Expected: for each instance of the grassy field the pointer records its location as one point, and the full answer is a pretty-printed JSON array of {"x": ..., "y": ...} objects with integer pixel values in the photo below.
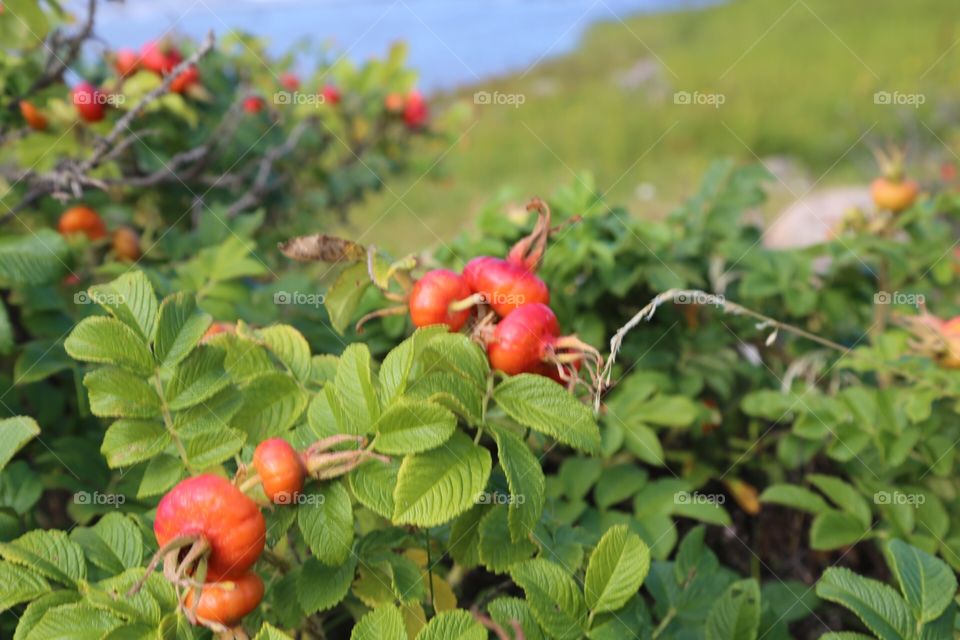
[{"x": 796, "y": 78}]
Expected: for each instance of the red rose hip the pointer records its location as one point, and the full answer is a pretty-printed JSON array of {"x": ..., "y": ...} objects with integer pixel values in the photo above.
[
  {"x": 432, "y": 296},
  {"x": 505, "y": 285},
  {"x": 280, "y": 469},
  {"x": 227, "y": 602}
]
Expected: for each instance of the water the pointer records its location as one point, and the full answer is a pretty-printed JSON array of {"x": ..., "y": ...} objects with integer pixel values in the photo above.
[{"x": 452, "y": 42}]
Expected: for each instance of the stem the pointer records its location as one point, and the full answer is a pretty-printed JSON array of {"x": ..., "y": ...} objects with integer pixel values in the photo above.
[
  {"x": 168, "y": 422},
  {"x": 466, "y": 303},
  {"x": 249, "y": 483},
  {"x": 433, "y": 600},
  {"x": 667, "y": 619}
]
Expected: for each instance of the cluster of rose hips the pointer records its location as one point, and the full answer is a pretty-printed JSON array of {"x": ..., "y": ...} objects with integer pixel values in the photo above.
[
  {"x": 505, "y": 305},
  {"x": 210, "y": 532},
  {"x": 83, "y": 220}
]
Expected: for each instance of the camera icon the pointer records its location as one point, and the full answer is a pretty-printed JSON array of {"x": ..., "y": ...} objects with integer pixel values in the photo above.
[
  {"x": 881, "y": 497},
  {"x": 281, "y": 297},
  {"x": 881, "y": 297},
  {"x": 683, "y": 298},
  {"x": 681, "y": 497},
  {"x": 283, "y": 497},
  {"x": 682, "y": 97},
  {"x": 282, "y": 97},
  {"x": 482, "y": 97},
  {"x": 81, "y": 297},
  {"x": 483, "y": 498},
  {"x": 882, "y": 97},
  {"x": 81, "y": 497}
]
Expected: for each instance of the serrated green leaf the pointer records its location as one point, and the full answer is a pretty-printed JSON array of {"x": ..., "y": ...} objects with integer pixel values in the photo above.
[
  {"x": 79, "y": 621},
  {"x": 115, "y": 393},
  {"x": 325, "y": 518},
  {"x": 398, "y": 365},
  {"x": 36, "y": 610},
  {"x": 20, "y": 487},
  {"x": 736, "y": 615},
  {"x": 553, "y": 596},
  {"x": 32, "y": 259},
  {"x": 616, "y": 570},
  {"x": 48, "y": 552},
  {"x": 131, "y": 300},
  {"x": 162, "y": 472},
  {"x": 541, "y": 404},
  {"x": 290, "y": 348},
  {"x": 180, "y": 327},
  {"x": 344, "y": 295},
  {"x": 272, "y": 404},
  {"x": 269, "y": 632},
  {"x": 410, "y": 426},
  {"x": 795, "y": 497},
  {"x": 38, "y": 360},
  {"x": 108, "y": 341},
  {"x": 19, "y": 585},
  {"x": 437, "y": 486},
  {"x": 668, "y": 411},
  {"x": 383, "y": 623},
  {"x": 452, "y": 391},
  {"x": 878, "y": 606},
  {"x": 14, "y": 434},
  {"x": 926, "y": 582},
  {"x": 197, "y": 378},
  {"x": 320, "y": 587},
  {"x": 373, "y": 483},
  {"x": 355, "y": 391},
  {"x": 452, "y": 625},
  {"x": 114, "y": 543},
  {"x": 618, "y": 484},
  {"x": 498, "y": 551},
  {"x": 457, "y": 353},
  {"x": 504, "y": 610},
  {"x": 526, "y": 481},
  {"x": 465, "y": 537},
  {"x": 212, "y": 446},
  {"x": 127, "y": 442}
]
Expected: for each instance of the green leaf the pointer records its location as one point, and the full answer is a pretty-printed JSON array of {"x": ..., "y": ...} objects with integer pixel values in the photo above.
[
  {"x": 541, "y": 404},
  {"x": 410, "y": 426},
  {"x": 36, "y": 610},
  {"x": 398, "y": 365},
  {"x": 38, "y": 360},
  {"x": 844, "y": 496},
  {"x": 131, "y": 300},
  {"x": 736, "y": 615},
  {"x": 197, "y": 378},
  {"x": 162, "y": 472},
  {"x": 795, "y": 497},
  {"x": 271, "y": 405},
  {"x": 14, "y": 434},
  {"x": 115, "y": 393},
  {"x": 926, "y": 581},
  {"x": 344, "y": 295},
  {"x": 669, "y": 411},
  {"x": 48, "y": 552},
  {"x": 878, "y": 606},
  {"x": 498, "y": 551},
  {"x": 437, "y": 486},
  {"x": 114, "y": 543},
  {"x": 618, "y": 484},
  {"x": 451, "y": 390},
  {"x": 457, "y": 353},
  {"x": 383, "y": 623},
  {"x": 373, "y": 483},
  {"x": 504, "y": 610},
  {"x": 79, "y": 621},
  {"x": 6, "y": 331},
  {"x": 354, "y": 389},
  {"x": 19, "y": 585},
  {"x": 179, "y": 329},
  {"x": 835, "y": 529},
  {"x": 20, "y": 487},
  {"x": 616, "y": 570},
  {"x": 326, "y": 521},
  {"x": 38, "y": 258},
  {"x": 290, "y": 348},
  {"x": 127, "y": 442},
  {"x": 208, "y": 447},
  {"x": 557, "y": 603},
  {"x": 643, "y": 442},
  {"x": 108, "y": 341},
  {"x": 453, "y": 625},
  {"x": 269, "y": 632},
  {"x": 526, "y": 482},
  {"x": 465, "y": 537},
  {"x": 320, "y": 587}
]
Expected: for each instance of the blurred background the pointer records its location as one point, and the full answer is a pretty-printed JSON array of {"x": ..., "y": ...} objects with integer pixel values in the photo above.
[{"x": 642, "y": 94}]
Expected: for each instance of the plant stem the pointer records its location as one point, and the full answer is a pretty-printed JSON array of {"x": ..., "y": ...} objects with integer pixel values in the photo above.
[
  {"x": 667, "y": 619},
  {"x": 168, "y": 422}
]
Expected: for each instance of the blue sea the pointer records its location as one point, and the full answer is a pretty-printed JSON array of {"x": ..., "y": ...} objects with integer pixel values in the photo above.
[{"x": 451, "y": 42}]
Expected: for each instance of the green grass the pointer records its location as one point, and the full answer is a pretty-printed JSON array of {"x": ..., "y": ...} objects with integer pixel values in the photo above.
[{"x": 798, "y": 80}]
